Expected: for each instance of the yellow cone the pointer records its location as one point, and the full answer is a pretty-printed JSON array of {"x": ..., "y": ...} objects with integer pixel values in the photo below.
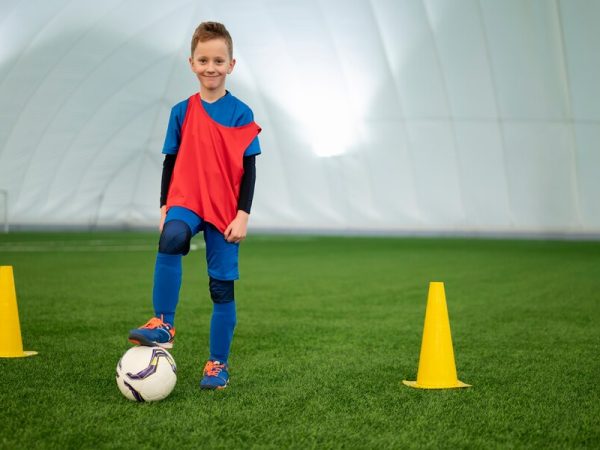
[
  {"x": 436, "y": 363},
  {"x": 11, "y": 345}
]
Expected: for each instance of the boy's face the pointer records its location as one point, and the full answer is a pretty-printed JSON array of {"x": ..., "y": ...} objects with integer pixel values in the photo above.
[{"x": 211, "y": 64}]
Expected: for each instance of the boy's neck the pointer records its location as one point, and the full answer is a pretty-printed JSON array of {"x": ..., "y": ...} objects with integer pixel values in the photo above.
[{"x": 212, "y": 96}]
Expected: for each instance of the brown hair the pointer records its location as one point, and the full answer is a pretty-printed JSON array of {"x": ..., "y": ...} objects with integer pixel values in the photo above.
[{"x": 207, "y": 31}]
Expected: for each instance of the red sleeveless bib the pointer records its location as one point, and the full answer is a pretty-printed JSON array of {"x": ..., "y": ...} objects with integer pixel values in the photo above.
[{"x": 209, "y": 166}]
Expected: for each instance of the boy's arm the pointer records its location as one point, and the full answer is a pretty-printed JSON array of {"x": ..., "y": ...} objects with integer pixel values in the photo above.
[
  {"x": 247, "y": 184},
  {"x": 170, "y": 149},
  {"x": 167, "y": 174},
  {"x": 236, "y": 231}
]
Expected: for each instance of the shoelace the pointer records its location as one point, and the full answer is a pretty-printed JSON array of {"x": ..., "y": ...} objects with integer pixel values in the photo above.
[
  {"x": 155, "y": 322},
  {"x": 213, "y": 369}
]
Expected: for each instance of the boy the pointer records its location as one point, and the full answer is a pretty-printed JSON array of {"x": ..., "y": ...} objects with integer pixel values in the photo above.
[{"x": 207, "y": 185}]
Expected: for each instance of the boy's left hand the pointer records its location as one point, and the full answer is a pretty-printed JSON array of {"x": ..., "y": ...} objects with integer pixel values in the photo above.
[{"x": 236, "y": 231}]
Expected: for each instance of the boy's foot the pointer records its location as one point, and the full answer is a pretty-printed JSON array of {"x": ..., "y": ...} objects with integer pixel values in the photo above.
[
  {"x": 154, "y": 332},
  {"x": 216, "y": 375}
]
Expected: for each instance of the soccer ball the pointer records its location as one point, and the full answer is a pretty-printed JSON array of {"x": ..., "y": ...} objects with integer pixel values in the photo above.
[{"x": 146, "y": 374}]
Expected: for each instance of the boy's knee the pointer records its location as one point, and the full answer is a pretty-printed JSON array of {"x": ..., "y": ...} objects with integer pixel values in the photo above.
[
  {"x": 175, "y": 238},
  {"x": 221, "y": 291}
]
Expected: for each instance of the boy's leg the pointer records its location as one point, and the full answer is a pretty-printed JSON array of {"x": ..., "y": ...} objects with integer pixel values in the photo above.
[
  {"x": 223, "y": 320},
  {"x": 174, "y": 243},
  {"x": 180, "y": 226},
  {"x": 222, "y": 261}
]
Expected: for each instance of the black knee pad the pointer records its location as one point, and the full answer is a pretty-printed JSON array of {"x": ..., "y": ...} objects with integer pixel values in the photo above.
[
  {"x": 175, "y": 238},
  {"x": 221, "y": 291}
]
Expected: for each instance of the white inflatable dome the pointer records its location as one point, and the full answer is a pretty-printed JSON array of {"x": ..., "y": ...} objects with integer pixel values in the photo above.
[{"x": 391, "y": 116}]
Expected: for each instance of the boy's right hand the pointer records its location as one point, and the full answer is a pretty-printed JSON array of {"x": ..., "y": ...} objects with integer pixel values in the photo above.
[{"x": 163, "y": 216}]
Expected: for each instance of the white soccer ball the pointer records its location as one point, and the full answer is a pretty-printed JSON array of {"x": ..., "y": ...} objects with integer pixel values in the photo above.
[{"x": 146, "y": 374}]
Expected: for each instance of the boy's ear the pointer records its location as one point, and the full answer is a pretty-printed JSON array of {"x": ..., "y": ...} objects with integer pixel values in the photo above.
[{"x": 231, "y": 66}]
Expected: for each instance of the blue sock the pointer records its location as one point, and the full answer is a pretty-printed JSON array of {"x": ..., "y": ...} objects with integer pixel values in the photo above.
[
  {"x": 167, "y": 281},
  {"x": 222, "y": 325}
]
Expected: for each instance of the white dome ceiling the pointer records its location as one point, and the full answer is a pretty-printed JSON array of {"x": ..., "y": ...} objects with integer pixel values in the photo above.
[{"x": 458, "y": 116}]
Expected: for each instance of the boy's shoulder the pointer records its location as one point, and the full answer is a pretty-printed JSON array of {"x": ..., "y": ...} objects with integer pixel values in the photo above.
[
  {"x": 238, "y": 103},
  {"x": 181, "y": 106},
  {"x": 242, "y": 114}
]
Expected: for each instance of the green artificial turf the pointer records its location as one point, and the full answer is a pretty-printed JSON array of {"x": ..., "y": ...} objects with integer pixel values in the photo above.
[{"x": 327, "y": 330}]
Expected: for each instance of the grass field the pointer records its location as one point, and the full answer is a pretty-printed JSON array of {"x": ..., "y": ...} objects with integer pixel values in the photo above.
[{"x": 327, "y": 329}]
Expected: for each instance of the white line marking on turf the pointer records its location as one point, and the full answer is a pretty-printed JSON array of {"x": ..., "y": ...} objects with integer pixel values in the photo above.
[{"x": 82, "y": 246}]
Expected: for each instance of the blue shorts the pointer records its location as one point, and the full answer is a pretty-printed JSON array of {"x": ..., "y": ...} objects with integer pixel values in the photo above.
[{"x": 221, "y": 256}]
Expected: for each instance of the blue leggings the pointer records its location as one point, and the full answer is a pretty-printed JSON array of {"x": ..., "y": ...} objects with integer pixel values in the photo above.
[{"x": 180, "y": 226}]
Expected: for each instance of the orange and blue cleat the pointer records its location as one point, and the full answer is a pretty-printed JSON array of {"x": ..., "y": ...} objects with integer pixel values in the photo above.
[
  {"x": 216, "y": 375},
  {"x": 152, "y": 333}
]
